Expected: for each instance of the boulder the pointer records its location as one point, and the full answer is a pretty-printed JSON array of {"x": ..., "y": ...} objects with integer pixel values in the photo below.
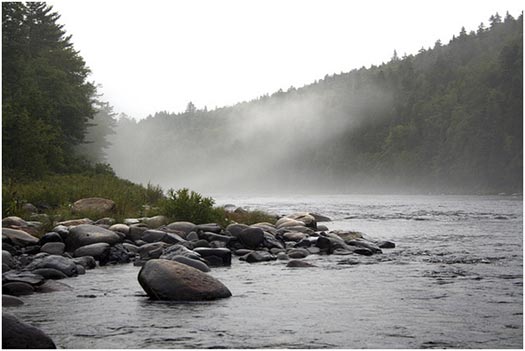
[
  {"x": 11, "y": 301},
  {"x": 95, "y": 205},
  {"x": 282, "y": 256},
  {"x": 117, "y": 254},
  {"x": 251, "y": 238},
  {"x": 8, "y": 259},
  {"x": 131, "y": 248},
  {"x": 88, "y": 262},
  {"x": 366, "y": 244},
  {"x": 171, "y": 280},
  {"x": 30, "y": 278},
  {"x": 209, "y": 227},
  {"x": 179, "y": 250},
  {"x": 51, "y": 237},
  {"x": 192, "y": 236},
  {"x": 201, "y": 266},
  {"x": 135, "y": 232},
  {"x": 17, "y": 289},
  {"x": 294, "y": 236},
  {"x": 99, "y": 251},
  {"x": 272, "y": 242},
  {"x": 258, "y": 256},
  {"x": 201, "y": 243},
  {"x": 184, "y": 227},
  {"x": 131, "y": 221},
  {"x": 121, "y": 228},
  {"x": 73, "y": 222},
  {"x": 216, "y": 237},
  {"x": 285, "y": 222},
  {"x": 236, "y": 228},
  {"x": 19, "y": 237},
  {"x": 19, "y": 335},
  {"x": 299, "y": 264},
  {"x": 14, "y": 221},
  {"x": 86, "y": 234},
  {"x": 152, "y": 235},
  {"x": 155, "y": 222},
  {"x": 386, "y": 245},
  {"x": 63, "y": 264},
  {"x": 305, "y": 217},
  {"x": 298, "y": 253},
  {"x": 152, "y": 250},
  {"x": 319, "y": 218},
  {"x": 215, "y": 256},
  {"x": 50, "y": 273},
  {"x": 53, "y": 248}
]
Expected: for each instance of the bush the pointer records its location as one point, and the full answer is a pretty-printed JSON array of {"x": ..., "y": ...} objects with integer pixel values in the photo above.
[{"x": 186, "y": 205}]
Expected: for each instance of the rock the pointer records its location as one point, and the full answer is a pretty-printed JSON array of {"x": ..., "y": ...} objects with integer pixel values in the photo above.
[
  {"x": 170, "y": 280},
  {"x": 99, "y": 251},
  {"x": 22, "y": 277},
  {"x": 321, "y": 228},
  {"x": 366, "y": 244},
  {"x": 305, "y": 217},
  {"x": 272, "y": 242},
  {"x": 53, "y": 286},
  {"x": 63, "y": 264},
  {"x": 209, "y": 227},
  {"x": 294, "y": 236},
  {"x": 51, "y": 237},
  {"x": 152, "y": 250},
  {"x": 19, "y": 335},
  {"x": 282, "y": 256},
  {"x": 11, "y": 301},
  {"x": 31, "y": 249},
  {"x": 86, "y": 234},
  {"x": 343, "y": 252},
  {"x": 216, "y": 237},
  {"x": 121, "y": 228},
  {"x": 88, "y": 262},
  {"x": 117, "y": 255},
  {"x": 185, "y": 227},
  {"x": 131, "y": 248},
  {"x": 17, "y": 289},
  {"x": 347, "y": 235},
  {"x": 217, "y": 244},
  {"x": 61, "y": 230},
  {"x": 54, "y": 248},
  {"x": 9, "y": 248},
  {"x": 319, "y": 218},
  {"x": 251, "y": 238},
  {"x": 330, "y": 242},
  {"x": 14, "y": 221},
  {"x": 136, "y": 232},
  {"x": 235, "y": 229},
  {"x": 299, "y": 264},
  {"x": 131, "y": 221},
  {"x": 386, "y": 245},
  {"x": 313, "y": 250},
  {"x": 19, "y": 237},
  {"x": 298, "y": 253},
  {"x": 171, "y": 239},
  {"x": 215, "y": 256},
  {"x": 288, "y": 222},
  {"x": 363, "y": 251},
  {"x": 201, "y": 243},
  {"x": 201, "y": 266},
  {"x": 50, "y": 273},
  {"x": 8, "y": 259},
  {"x": 80, "y": 269},
  {"x": 179, "y": 250},
  {"x": 300, "y": 229},
  {"x": 258, "y": 256},
  {"x": 153, "y": 235},
  {"x": 29, "y": 208},
  {"x": 155, "y": 222},
  {"x": 95, "y": 205},
  {"x": 242, "y": 252},
  {"x": 305, "y": 243},
  {"x": 106, "y": 221},
  {"x": 192, "y": 236},
  {"x": 73, "y": 222}
]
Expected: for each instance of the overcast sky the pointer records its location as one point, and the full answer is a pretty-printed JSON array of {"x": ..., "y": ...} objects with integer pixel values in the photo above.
[{"x": 159, "y": 55}]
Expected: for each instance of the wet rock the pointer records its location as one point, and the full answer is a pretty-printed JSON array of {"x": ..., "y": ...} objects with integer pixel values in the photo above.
[
  {"x": 152, "y": 235},
  {"x": 236, "y": 228},
  {"x": 51, "y": 237},
  {"x": 50, "y": 273},
  {"x": 117, "y": 255},
  {"x": 282, "y": 256},
  {"x": 95, "y": 205},
  {"x": 320, "y": 218},
  {"x": 63, "y": 264},
  {"x": 19, "y": 237},
  {"x": 87, "y": 234},
  {"x": 344, "y": 252},
  {"x": 9, "y": 248},
  {"x": 366, "y": 244},
  {"x": 170, "y": 280},
  {"x": 80, "y": 269},
  {"x": 304, "y": 243},
  {"x": 275, "y": 250},
  {"x": 242, "y": 252},
  {"x": 251, "y": 238},
  {"x": 321, "y": 228},
  {"x": 99, "y": 251},
  {"x": 201, "y": 266},
  {"x": 363, "y": 251},
  {"x": 23, "y": 277},
  {"x": 348, "y": 235},
  {"x": 53, "y": 248},
  {"x": 184, "y": 227},
  {"x": 305, "y": 217},
  {"x": 179, "y": 250},
  {"x": 386, "y": 245},
  {"x": 171, "y": 239},
  {"x": 314, "y": 250},
  {"x": 258, "y": 256},
  {"x": 155, "y": 222},
  {"x": 294, "y": 236},
  {"x": 285, "y": 222},
  {"x": 298, "y": 253},
  {"x": 61, "y": 230},
  {"x": 17, "y": 289},
  {"x": 152, "y": 250},
  {"x": 88, "y": 262},
  {"x": 19, "y": 335},
  {"x": 14, "y": 221},
  {"x": 131, "y": 248},
  {"x": 8, "y": 259},
  {"x": 30, "y": 250},
  {"x": 192, "y": 236},
  {"x": 271, "y": 242},
  {"x": 121, "y": 228},
  {"x": 299, "y": 264},
  {"x": 11, "y": 301},
  {"x": 201, "y": 243},
  {"x": 136, "y": 232},
  {"x": 215, "y": 256}
]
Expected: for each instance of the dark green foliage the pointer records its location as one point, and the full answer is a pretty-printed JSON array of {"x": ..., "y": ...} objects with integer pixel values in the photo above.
[
  {"x": 47, "y": 100},
  {"x": 449, "y": 119},
  {"x": 186, "y": 205}
]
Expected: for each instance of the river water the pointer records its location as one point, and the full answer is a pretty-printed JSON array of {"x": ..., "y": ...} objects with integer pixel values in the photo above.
[{"x": 455, "y": 280}]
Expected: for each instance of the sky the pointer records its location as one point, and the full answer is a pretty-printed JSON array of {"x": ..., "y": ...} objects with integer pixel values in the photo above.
[{"x": 157, "y": 55}]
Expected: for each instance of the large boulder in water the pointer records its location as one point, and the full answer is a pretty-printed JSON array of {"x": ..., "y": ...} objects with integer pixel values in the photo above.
[
  {"x": 19, "y": 335},
  {"x": 19, "y": 237},
  {"x": 170, "y": 280},
  {"x": 86, "y": 234},
  {"x": 95, "y": 205}
]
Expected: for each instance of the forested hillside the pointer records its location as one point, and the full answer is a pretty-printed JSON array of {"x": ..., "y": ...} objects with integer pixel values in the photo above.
[{"x": 448, "y": 119}]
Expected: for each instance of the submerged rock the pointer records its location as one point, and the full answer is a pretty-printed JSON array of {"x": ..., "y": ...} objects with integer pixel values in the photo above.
[
  {"x": 170, "y": 280},
  {"x": 19, "y": 335}
]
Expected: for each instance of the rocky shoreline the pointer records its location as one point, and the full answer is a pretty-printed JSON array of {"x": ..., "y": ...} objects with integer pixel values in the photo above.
[{"x": 174, "y": 257}]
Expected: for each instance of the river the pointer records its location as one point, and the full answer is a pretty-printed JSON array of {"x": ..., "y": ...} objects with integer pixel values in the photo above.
[{"x": 454, "y": 280}]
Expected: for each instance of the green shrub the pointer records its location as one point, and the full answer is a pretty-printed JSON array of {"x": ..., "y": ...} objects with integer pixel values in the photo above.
[{"x": 186, "y": 205}]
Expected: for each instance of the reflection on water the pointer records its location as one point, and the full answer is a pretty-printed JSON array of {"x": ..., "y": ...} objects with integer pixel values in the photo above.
[{"x": 453, "y": 281}]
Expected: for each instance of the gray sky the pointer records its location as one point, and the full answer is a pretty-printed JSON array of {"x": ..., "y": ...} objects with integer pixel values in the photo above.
[{"x": 158, "y": 55}]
